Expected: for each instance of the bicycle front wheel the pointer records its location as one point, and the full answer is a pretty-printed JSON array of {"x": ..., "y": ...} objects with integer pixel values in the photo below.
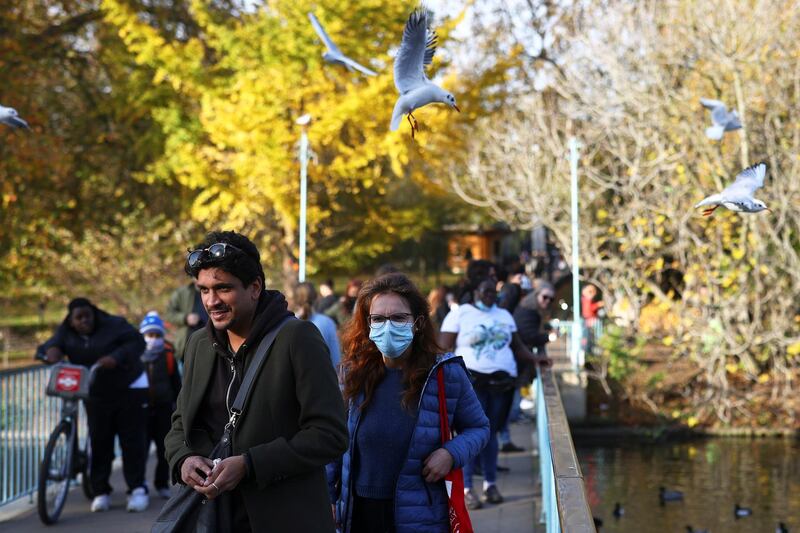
[{"x": 55, "y": 473}]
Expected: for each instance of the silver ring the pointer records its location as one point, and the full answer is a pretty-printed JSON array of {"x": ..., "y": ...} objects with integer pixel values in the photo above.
[{"x": 215, "y": 486}]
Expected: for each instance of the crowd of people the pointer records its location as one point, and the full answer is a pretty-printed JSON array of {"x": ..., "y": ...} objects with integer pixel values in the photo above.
[{"x": 343, "y": 413}]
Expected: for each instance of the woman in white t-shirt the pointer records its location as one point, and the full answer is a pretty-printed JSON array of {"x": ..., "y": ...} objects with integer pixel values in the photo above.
[{"x": 485, "y": 336}]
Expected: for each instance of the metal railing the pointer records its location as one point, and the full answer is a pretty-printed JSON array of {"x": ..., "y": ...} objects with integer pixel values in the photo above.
[
  {"x": 565, "y": 506},
  {"x": 588, "y": 334},
  {"x": 27, "y": 416}
]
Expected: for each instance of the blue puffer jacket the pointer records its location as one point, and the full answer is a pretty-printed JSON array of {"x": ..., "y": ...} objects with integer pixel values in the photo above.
[{"x": 420, "y": 506}]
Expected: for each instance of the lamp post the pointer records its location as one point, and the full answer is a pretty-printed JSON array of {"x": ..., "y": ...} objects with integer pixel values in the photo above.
[
  {"x": 303, "y": 123},
  {"x": 577, "y": 327}
]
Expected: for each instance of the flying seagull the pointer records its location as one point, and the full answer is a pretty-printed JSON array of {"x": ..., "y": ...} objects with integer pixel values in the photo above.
[
  {"x": 416, "y": 52},
  {"x": 334, "y": 55},
  {"x": 9, "y": 116},
  {"x": 722, "y": 119},
  {"x": 739, "y": 195}
]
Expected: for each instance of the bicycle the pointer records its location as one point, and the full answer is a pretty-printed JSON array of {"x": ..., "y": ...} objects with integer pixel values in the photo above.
[{"x": 63, "y": 459}]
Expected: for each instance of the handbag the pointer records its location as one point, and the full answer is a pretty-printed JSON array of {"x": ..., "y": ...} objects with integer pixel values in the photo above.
[
  {"x": 454, "y": 480},
  {"x": 189, "y": 511}
]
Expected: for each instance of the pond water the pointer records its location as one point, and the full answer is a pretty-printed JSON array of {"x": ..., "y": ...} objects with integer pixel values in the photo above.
[{"x": 713, "y": 474}]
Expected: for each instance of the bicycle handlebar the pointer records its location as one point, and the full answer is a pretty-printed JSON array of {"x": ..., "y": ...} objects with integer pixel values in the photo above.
[{"x": 41, "y": 356}]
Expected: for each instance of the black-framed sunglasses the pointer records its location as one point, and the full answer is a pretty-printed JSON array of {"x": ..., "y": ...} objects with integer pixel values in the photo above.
[
  {"x": 547, "y": 297},
  {"x": 398, "y": 320},
  {"x": 216, "y": 251}
]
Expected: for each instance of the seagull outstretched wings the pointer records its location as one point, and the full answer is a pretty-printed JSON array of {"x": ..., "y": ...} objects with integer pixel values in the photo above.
[
  {"x": 738, "y": 196},
  {"x": 722, "y": 119},
  {"x": 334, "y": 54},
  {"x": 416, "y": 52}
]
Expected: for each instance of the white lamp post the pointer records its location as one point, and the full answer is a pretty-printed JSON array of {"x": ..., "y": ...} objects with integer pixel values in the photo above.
[
  {"x": 577, "y": 327},
  {"x": 303, "y": 123}
]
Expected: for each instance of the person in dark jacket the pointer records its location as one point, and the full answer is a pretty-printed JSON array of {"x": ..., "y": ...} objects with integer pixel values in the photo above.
[
  {"x": 186, "y": 312},
  {"x": 530, "y": 317},
  {"x": 293, "y": 423},
  {"x": 391, "y": 477},
  {"x": 164, "y": 385},
  {"x": 118, "y": 396}
]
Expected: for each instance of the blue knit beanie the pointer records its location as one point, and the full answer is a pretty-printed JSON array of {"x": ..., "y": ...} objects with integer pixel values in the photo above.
[{"x": 152, "y": 322}]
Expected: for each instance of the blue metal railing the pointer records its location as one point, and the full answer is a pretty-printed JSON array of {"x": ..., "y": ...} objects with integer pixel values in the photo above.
[
  {"x": 27, "y": 416},
  {"x": 565, "y": 506}
]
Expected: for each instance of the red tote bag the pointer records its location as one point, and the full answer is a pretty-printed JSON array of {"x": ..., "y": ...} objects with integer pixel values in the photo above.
[{"x": 454, "y": 481}]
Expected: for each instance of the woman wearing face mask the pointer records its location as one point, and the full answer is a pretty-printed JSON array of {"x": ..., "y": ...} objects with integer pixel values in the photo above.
[
  {"x": 485, "y": 336},
  {"x": 391, "y": 477}
]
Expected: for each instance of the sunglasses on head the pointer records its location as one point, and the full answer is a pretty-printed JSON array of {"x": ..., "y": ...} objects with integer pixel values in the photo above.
[{"x": 214, "y": 252}]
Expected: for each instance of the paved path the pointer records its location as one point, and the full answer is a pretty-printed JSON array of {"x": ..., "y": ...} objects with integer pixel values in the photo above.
[
  {"x": 518, "y": 486},
  {"x": 515, "y": 515}
]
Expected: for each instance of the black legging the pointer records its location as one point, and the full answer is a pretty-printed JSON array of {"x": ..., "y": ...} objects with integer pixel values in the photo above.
[
  {"x": 158, "y": 425},
  {"x": 126, "y": 416}
]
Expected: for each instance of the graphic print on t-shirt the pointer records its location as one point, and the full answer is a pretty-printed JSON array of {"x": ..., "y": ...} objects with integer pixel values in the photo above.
[{"x": 487, "y": 340}]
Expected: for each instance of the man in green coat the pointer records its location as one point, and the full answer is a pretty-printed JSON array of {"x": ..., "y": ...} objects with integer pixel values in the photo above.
[
  {"x": 294, "y": 421},
  {"x": 186, "y": 312}
]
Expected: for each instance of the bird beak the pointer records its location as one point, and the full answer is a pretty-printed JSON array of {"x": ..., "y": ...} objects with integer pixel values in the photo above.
[{"x": 456, "y": 108}]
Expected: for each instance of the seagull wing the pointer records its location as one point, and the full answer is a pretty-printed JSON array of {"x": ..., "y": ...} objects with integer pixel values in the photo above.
[
  {"x": 322, "y": 34},
  {"x": 358, "y": 66},
  {"x": 733, "y": 122},
  {"x": 416, "y": 51},
  {"x": 748, "y": 180},
  {"x": 711, "y": 104}
]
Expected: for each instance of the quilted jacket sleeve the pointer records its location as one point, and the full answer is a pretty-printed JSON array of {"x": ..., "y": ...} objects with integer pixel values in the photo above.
[{"x": 469, "y": 420}]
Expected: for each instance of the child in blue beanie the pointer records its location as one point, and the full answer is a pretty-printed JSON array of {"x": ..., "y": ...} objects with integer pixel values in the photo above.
[{"x": 165, "y": 383}]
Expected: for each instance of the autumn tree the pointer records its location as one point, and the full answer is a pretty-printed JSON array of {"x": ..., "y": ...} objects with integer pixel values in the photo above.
[
  {"x": 231, "y": 137},
  {"x": 628, "y": 86}
]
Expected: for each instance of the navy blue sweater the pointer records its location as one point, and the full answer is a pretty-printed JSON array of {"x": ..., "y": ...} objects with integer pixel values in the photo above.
[{"x": 382, "y": 440}]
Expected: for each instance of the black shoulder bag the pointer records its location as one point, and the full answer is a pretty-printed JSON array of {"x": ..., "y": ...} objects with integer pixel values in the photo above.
[{"x": 188, "y": 510}]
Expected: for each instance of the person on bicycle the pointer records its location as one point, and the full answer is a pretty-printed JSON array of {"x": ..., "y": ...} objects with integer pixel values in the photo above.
[
  {"x": 117, "y": 398},
  {"x": 165, "y": 384}
]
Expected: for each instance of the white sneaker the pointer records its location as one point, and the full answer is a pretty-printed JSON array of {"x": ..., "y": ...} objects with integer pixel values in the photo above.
[
  {"x": 138, "y": 500},
  {"x": 165, "y": 493},
  {"x": 101, "y": 503}
]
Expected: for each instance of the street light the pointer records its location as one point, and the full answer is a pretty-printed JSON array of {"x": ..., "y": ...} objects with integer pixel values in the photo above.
[
  {"x": 576, "y": 302},
  {"x": 303, "y": 123}
]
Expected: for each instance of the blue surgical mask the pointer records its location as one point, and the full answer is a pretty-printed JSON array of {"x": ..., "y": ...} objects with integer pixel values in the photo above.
[
  {"x": 482, "y": 306},
  {"x": 392, "y": 340}
]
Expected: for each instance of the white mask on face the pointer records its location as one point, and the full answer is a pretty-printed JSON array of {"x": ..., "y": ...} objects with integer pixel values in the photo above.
[{"x": 154, "y": 343}]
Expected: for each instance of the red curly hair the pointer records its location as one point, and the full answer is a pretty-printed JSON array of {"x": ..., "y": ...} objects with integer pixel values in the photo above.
[{"x": 363, "y": 363}]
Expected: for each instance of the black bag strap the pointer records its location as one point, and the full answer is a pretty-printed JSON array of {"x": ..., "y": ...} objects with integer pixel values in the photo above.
[{"x": 252, "y": 370}]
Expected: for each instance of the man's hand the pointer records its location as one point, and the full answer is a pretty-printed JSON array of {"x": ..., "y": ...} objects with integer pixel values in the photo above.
[
  {"x": 544, "y": 361},
  {"x": 54, "y": 354},
  {"x": 107, "y": 362},
  {"x": 437, "y": 465},
  {"x": 189, "y": 469},
  {"x": 192, "y": 319},
  {"x": 225, "y": 476}
]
